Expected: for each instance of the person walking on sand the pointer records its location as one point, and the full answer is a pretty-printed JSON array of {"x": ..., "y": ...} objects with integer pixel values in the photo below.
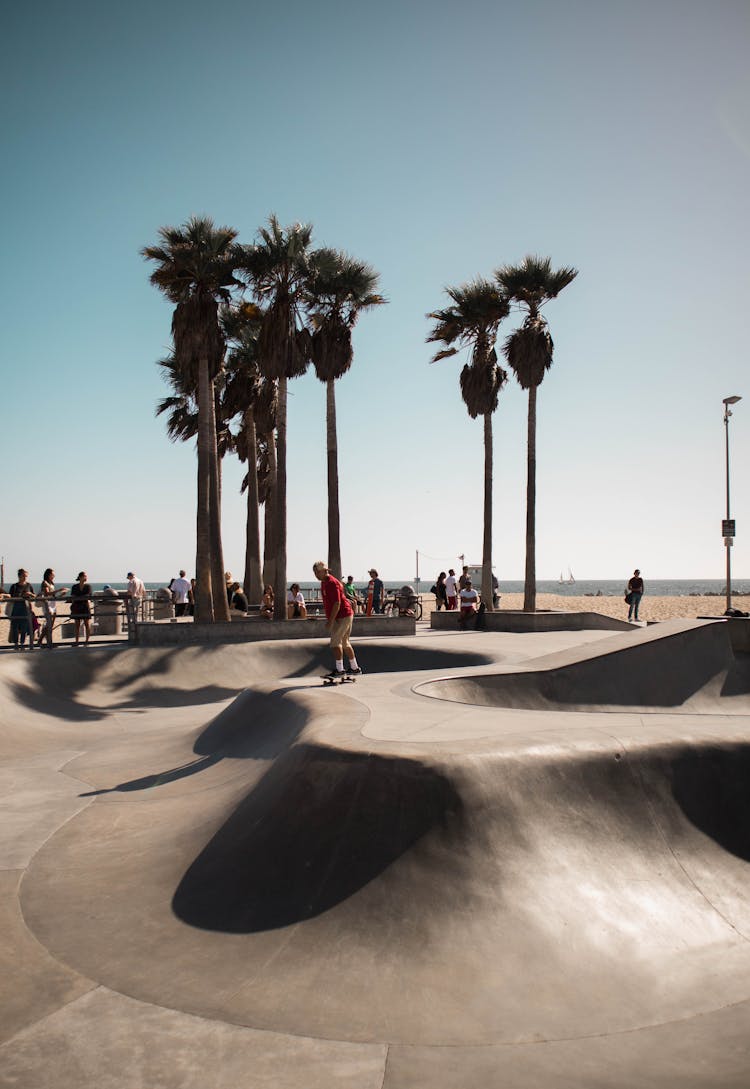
[
  {"x": 80, "y": 606},
  {"x": 339, "y": 620},
  {"x": 634, "y": 594}
]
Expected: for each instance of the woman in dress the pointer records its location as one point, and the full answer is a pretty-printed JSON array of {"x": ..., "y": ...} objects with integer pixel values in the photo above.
[
  {"x": 441, "y": 594},
  {"x": 49, "y": 594},
  {"x": 80, "y": 606}
]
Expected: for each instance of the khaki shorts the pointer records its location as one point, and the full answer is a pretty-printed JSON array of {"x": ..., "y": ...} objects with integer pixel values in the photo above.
[{"x": 341, "y": 629}]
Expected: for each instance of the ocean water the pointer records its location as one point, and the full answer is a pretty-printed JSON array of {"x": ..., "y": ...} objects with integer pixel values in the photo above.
[{"x": 582, "y": 587}]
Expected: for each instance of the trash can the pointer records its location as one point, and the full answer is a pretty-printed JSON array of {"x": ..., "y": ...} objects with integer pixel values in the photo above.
[
  {"x": 108, "y": 616},
  {"x": 163, "y": 609},
  {"x": 406, "y": 600}
]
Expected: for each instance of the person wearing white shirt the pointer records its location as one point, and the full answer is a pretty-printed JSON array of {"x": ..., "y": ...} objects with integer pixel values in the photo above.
[
  {"x": 295, "y": 603},
  {"x": 180, "y": 590},
  {"x": 469, "y": 601},
  {"x": 451, "y": 589}
]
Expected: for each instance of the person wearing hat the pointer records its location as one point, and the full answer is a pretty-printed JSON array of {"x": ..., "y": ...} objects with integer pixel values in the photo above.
[
  {"x": 375, "y": 593},
  {"x": 136, "y": 592}
]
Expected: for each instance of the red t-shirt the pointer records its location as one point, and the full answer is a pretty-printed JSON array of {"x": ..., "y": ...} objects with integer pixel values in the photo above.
[{"x": 332, "y": 591}]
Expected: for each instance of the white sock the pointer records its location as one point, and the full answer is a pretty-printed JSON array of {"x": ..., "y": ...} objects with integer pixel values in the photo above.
[
  {"x": 339, "y": 665},
  {"x": 353, "y": 662}
]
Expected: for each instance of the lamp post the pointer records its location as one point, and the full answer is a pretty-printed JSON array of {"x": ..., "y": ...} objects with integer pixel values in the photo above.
[{"x": 728, "y": 526}]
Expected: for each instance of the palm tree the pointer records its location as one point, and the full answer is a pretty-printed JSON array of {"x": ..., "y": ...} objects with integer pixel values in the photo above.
[
  {"x": 276, "y": 268},
  {"x": 241, "y": 326},
  {"x": 182, "y": 424},
  {"x": 529, "y": 353},
  {"x": 472, "y": 322},
  {"x": 195, "y": 270},
  {"x": 338, "y": 290}
]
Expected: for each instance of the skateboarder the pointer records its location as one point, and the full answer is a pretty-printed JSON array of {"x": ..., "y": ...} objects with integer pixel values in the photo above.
[{"x": 339, "y": 619}]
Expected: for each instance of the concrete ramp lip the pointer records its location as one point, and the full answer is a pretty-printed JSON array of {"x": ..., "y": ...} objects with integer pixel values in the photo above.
[{"x": 687, "y": 666}]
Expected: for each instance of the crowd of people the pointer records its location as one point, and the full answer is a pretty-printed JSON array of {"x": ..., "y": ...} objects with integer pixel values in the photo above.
[{"x": 26, "y": 625}]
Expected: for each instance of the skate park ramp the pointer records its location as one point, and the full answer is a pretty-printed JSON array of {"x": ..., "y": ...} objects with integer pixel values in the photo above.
[
  {"x": 670, "y": 667},
  {"x": 255, "y": 890}
]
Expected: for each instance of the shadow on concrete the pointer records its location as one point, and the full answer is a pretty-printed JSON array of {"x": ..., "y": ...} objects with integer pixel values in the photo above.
[
  {"x": 147, "y": 782},
  {"x": 256, "y": 726},
  {"x": 712, "y": 788},
  {"x": 319, "y": 826}
]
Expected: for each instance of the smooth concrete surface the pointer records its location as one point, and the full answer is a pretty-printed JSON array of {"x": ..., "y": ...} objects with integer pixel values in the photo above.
[
  {"x": 516, "y": 620},
  {"x": 216, "y": 872},
  {"x": 249, "y": 629}
]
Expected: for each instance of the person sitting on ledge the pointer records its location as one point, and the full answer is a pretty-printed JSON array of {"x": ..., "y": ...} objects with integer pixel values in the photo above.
[
  {"x": 266, "y": 606},
  {"x": 238, "y": 600},
  {"x": 295, "y": 603},
  {"x": 469, "y": 602}
]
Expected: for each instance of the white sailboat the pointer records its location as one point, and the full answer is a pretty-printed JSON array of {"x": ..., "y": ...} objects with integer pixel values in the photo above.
[{"x": 567, "y": 581}]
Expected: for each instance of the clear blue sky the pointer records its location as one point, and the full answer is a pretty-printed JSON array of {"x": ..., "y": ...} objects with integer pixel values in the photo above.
[{"x": 437, "y": 142}]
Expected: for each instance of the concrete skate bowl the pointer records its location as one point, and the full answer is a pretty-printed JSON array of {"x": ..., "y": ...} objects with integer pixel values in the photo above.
[
  {"x": 682, "y": 667},
  {"x": 471, "y": 899},
  {"x": 89, "y": 685}
]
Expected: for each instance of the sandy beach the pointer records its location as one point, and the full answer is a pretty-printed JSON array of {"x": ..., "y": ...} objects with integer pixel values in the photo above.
[{"x": 652, "y": 608}]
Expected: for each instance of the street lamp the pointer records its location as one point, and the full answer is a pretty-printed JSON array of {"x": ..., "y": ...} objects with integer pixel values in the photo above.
[{"x": 728, "y": 527}]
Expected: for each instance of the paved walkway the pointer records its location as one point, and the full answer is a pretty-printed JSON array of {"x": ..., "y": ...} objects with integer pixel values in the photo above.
[{"x": 467, "y": 870}]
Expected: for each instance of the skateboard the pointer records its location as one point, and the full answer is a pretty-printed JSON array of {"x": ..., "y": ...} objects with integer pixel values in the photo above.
[{"x": 343, "y": 678}]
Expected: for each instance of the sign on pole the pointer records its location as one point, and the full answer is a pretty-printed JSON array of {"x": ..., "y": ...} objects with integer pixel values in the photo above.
[{"x": 728, "y": 527}]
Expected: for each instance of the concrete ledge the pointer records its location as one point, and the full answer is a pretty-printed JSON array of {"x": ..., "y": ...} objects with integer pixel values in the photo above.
[
  {"x": 252, "y": 629},
  {"x": 515, "y": 620}
]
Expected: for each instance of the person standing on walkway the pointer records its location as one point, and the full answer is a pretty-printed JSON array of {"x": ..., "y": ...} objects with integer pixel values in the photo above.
[
  {"x": 375, "y": 593},
  {"x": 136, "y": 593},
  {"x": 80, "y": 606},
  {"x": 21, "y": 591},
  {"x": 441, "y": 597},
  {"x": 635, "y": 592},
  {"x": 451, "y": 589},
  {"x": 180, "y": 588},
  {"x": 49, "y": 594},
  {"x": 339, "y": 619}
]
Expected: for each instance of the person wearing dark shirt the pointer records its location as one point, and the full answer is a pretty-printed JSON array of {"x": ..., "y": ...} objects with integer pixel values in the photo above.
[
  {"x": 19, "y": 615},
  {"x": 375, "y": 593},
  {"x": 80, "y": 606},
  {"x": 634, "y": 594},
  {"x": 339, "y": 619}
]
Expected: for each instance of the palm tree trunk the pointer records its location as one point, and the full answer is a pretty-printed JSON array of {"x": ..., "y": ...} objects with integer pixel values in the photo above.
[
  {"x": 529, "y": 587},
  {"x": 251, "y": 582},
  {"x": 334, "y": 518},
  {"x": 487, "y": 538},
  {"x": 218, "y": 582},
  {"x": 269, "y": 529},
  {"x": 204, "y": 611},
  {"x": 279, "y": 584}
]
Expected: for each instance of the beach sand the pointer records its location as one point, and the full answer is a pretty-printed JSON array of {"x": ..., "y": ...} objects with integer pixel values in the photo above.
[{"x": 651, "y": 608}]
